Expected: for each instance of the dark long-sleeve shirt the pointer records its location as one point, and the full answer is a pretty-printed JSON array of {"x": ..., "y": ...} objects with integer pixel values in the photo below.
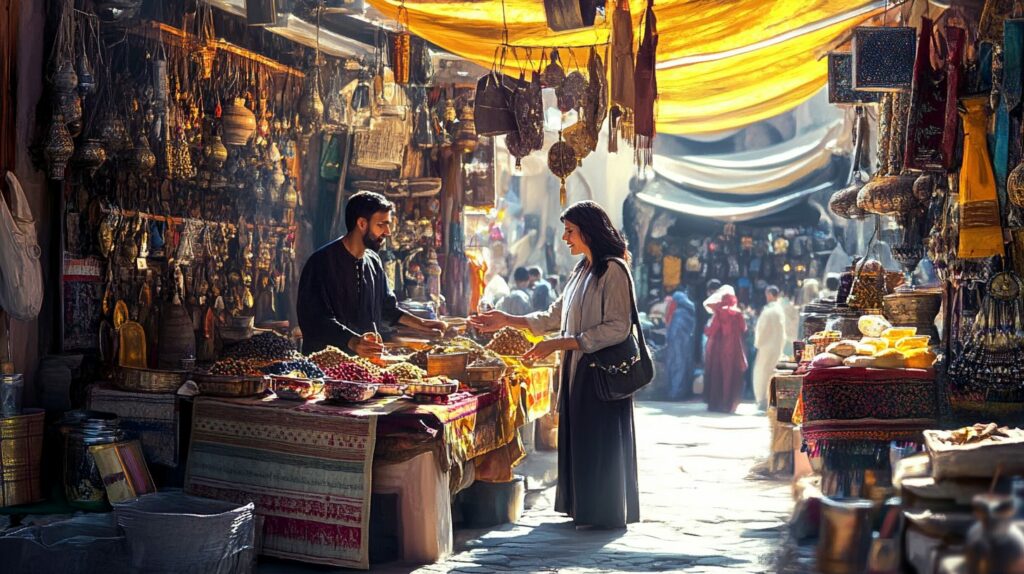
[{"x": 341, "y": 297}]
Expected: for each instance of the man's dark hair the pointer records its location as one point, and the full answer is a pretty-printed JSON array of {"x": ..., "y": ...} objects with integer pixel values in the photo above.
[
  {"x": 365, "y": 204},
  {"x": 713, "y": 286},
  {"x": 535, "y": 272},
  {"x": 832, "y": 283},
  {"x": 553, "y": 281},
  {"x": 520, "y": 275},
  {"x": 772, "y": 290}
]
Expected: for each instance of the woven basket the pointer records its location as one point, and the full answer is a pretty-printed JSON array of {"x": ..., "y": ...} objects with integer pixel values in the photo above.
[
  {"x": 219, "y": 386},
  {"x": 452, "y": 366},
  {"x": 150, "y": 380}
]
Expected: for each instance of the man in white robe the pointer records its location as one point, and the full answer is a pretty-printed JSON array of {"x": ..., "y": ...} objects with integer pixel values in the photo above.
[{"x": 769, "y": 340}]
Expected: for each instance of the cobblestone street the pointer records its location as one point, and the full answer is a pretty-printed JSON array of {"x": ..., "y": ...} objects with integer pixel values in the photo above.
[{"x": 700, "y": 511}]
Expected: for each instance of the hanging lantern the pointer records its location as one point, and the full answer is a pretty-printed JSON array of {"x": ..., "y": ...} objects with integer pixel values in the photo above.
[
  {"x": 216, "y": 154},
  {"x": 311, "y": 108},
  {"x": 291, "y": 195},
  {"x": 239, "y": 123},
  {"x": 142, "y": 160},
  {"x": 883, "y": 58},
  {"x": 86, "y": 78},
  {"x": 69, "y": 105},
  {"x": 361, "y": 94},
  {"x": 89, "y": 156},
  {"x": 59, "y": 147},
  {"x": 65, "y": 80},
  {"x": 466, "y": 138}
]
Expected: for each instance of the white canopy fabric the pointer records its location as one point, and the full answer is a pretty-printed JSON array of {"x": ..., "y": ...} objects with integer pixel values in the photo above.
[{"x": 754, "y": 172}]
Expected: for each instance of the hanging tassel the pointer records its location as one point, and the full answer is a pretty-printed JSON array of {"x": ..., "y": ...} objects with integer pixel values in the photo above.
[
  {"x": 613, "y": 129},
  {"x": 563, "y": 195}
]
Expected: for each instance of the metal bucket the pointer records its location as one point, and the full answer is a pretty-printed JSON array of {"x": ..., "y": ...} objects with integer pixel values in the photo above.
[
  {"x": 21, "y": 453},
  {"x": 11, "y": 389},
  {"x": 845, "y": 537}
]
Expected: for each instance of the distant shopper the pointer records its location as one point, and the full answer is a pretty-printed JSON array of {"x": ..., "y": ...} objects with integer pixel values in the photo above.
[
  {"x": 555, "y": 285},
  {"x": 769, "y": 339},
  {"x": 724, "y": 360},
  {"x": 679, "y": 353},
  {"x": 543, "y": 295},
  {"x": 831, "y": 289},
  {"x": 597, "y": 473},
  {"x": 517, "y": 302}
]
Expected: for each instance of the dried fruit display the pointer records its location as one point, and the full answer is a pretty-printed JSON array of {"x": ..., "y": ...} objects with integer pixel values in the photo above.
[{"x": 510, "y": 341}]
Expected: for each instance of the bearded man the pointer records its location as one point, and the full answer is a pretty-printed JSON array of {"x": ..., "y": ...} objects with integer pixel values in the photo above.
[{"x": 343, "y": 293}]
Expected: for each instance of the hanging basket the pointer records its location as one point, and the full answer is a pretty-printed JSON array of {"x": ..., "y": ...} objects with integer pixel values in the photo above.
[{"x": 382, "y": 146}]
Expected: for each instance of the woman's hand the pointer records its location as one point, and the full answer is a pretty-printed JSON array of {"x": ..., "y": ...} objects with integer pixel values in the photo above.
[
  {"x": 543, "y": 349},
  {"x": 490, "y": 321}
]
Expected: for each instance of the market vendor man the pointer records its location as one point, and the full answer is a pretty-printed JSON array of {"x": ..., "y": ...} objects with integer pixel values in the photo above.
[{"x": 343, "y": 294}]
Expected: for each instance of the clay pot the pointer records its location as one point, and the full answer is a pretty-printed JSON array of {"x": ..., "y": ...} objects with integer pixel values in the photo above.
[
  {"x": 238, "y": 122},
  {"x": 914, "y": 308}
]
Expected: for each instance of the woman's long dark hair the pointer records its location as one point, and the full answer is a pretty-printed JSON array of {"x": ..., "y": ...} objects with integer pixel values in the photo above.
[{"x": 598, "y": 233}]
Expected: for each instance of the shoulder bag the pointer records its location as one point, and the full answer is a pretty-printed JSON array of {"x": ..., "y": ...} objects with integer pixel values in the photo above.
[{"x": 626, "y": 367}]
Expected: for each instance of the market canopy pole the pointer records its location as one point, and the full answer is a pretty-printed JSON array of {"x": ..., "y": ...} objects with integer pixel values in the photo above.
[{"x": 722, "y": 65}]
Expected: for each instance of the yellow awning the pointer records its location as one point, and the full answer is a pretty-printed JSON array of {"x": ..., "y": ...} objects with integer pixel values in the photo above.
[{"x": 722, "y": 65}]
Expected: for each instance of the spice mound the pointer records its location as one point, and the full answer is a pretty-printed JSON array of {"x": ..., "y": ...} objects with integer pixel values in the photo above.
[{"x": 510, "y": 341}]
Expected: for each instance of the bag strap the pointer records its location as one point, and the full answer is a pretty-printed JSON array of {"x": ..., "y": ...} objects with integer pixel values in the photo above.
[{"x": 644, "y": 352}]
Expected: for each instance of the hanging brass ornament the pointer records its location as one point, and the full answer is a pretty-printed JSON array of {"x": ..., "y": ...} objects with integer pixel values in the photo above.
[
  {"x": 143, "y": 160},
  {"x": 561, "y": 161},
  {"x": 59, "y": 147},
  {"x": 517, "y": 148},
  {"x": 571, "y": 92},
  {"x": 65, "y": 80},
  {"x": 89, "y": 156},
  {"x": 216, "y": 153},
  {"x": 86, "y": 78},
  {"x": 581, "y": 139},
  {"x": 311, "y": 108},
  {"x": 401, "y": 56}
]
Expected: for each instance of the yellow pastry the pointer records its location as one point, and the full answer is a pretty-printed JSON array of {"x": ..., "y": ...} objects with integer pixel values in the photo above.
[
  {"x": 915, "y": 342},
  {"x": 842, "y": 348},
  {"x": 859, "y": 361},
  {"x": 878, "y": 343},
  {"x": 872, "y": 325},
  {"x": 866, "y": 349},
  {"x": 890, "y": 359},
  {"x": 920, "y": 359},
  {"x": 894, "y": 334}
]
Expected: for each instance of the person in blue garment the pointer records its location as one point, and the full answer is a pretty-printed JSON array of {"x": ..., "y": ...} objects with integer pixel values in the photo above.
[{"x": 679, "y": 354}]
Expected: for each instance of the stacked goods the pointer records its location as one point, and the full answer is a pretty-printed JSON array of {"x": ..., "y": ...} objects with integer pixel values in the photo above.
[
  {"x": 510, "y": 341},
  {"x": 406, "y": 372},
  {"x": 456, "y": 345},
  {"x": 882, "y": 347}
]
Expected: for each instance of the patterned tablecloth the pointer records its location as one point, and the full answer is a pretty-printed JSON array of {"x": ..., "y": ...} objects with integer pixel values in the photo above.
[
  {"x": 308, "y": 466},
  {"x": 150, "y": 417}
]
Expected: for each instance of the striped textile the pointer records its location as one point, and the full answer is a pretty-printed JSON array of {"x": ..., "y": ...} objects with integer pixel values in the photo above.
[
  {"x": 309, "y": 474},
  {"x": 150, "y": 417}
]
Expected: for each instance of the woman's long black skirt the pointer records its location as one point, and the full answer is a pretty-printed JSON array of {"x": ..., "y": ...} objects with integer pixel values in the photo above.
[{"x": 597, "y": 475}]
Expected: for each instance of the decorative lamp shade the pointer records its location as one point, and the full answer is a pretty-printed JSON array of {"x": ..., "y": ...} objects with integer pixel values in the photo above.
[
  {"x": 883, "y": 58},
  {"x": 840, "y": 82}
]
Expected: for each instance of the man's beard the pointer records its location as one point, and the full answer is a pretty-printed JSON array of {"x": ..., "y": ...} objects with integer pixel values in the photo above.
[{"x": 373, "y": 243}]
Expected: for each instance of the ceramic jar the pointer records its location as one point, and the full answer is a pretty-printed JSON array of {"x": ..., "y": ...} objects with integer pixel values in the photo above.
[
  {"x": 994, "y": 544},
  {"x": 239, "y": 123}
]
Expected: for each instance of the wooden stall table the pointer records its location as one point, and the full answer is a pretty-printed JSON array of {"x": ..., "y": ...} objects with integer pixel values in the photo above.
[
  {"x": 309, "y": 466},
  {"x": 849, "y": 417}
]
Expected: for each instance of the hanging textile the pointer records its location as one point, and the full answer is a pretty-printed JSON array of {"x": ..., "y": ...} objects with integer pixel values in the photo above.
[
  {"x": 726, "y": 64},
  {"x": 955, "y": 45},
  {"x": 981, "y": 234},
  {"x": 927, "y": 107},
  {"x": 646, "y": 89},
  {"x": 622, "y": 57}
]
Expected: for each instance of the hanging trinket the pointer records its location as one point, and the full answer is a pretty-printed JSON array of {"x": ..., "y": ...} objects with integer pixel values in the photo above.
[
  {"x": 59, "y": 147},
  {"x": 528, "y": 108},
  {"x": 423, "y": 133},
  {"x": 561, "y": 161},
  {"x": 517, "y": 148},
  {"x": 89, "y": 156},
  {"x": 86, "y": 78},
  {"x": 595, "y": 100},
  {"x": 361, "y": 93},
  {"x": 570, "y": 94},
  {"x": 65, "y": 80},
  {"x": 581, "y": 139},
  {"x": 142, "y": 159},
  {"x": 70, "y": 106},
  {"x": 238, "y": 123},
  {"x": 553, "y": 75},
  {"x": 401, "y": 56},
  {"x": 216, "y": 154},
  {"x": 466, "y": 138},
  {"x": 311, "y": 108}
]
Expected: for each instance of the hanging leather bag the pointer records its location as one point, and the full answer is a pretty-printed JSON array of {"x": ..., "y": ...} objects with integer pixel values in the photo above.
[
  {"x": 493, "y": 107},
  {"x": 21, "y": 274},
  {"x": 624, "y": 368}
]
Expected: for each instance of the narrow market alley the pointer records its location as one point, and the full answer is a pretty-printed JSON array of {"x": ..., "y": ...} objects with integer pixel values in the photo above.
[{"x": 702, "y": 510}]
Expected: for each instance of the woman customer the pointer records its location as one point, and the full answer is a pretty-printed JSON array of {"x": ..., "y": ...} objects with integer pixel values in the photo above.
[
  {"x": 724, "y": 360},
  {"x": 597, "y": 475}
]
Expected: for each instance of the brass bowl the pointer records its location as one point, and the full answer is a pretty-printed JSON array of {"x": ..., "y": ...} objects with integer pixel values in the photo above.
[{"x": 912, "y": 306}]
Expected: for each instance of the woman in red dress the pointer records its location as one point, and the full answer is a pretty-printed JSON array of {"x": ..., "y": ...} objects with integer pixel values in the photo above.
[{"x": 724, "y": 361}]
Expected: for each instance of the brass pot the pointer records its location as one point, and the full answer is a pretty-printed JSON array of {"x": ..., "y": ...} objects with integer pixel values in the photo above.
[
  {"x": 914, "y": 308},
  {"x": 844, "y": 202},
  {"x": 887, "y": 194}
]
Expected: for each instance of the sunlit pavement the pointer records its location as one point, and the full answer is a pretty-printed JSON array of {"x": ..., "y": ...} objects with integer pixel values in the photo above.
[{"x": 700, "y": 511}]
